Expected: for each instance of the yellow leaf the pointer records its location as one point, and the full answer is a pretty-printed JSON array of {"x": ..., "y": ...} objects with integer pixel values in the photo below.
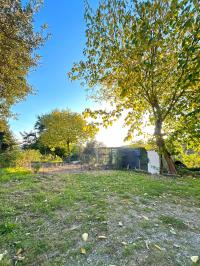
[
  {"x": 158, "y": 247},
  {"x": 102, "y": 237},
  {"x": 83, "y": 251},
  {"x": 19, "y": 251}
]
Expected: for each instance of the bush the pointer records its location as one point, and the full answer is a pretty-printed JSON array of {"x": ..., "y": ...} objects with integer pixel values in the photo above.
[
  {"x": 51, "y": 159},
  {"x": 26, "y": 157},
  {"x": 9, "y": 158},
  {"x": 36, "y": 167},
  {"x": 189, "y": 172},
  {"x": 19, "y": 158}
]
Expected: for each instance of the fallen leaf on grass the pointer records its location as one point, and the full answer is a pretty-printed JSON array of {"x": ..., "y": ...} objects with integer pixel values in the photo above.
[
  {"x": 102, "y": 237},
  {"x": 176, "y": 246},
  {"x": 19, "y": 251},
  {"x": 158, "y": 247},
  {"x": 19, "y": 258},
  {"x": 195, "y": 259},
  {"x": 146, "y": 218},
  {"x": 74, "y": 227},
  {"x": 83, "y": 251},
  {"x": 85, "y": 237},
  {"x": 172, "y": 231},
  {"x": 147, "y": 242}
]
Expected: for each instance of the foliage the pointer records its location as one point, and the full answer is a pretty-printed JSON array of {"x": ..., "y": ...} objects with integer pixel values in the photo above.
[
  {"x": 143, "y": 57},
  {"x": 51, "y": 158},
  {"x": 63, "y": 129},
  {"x": 29, "y": 140},
  {"x": 25, "y": 158},
  {"x": 191, "y": 160},
  {"x": 186, "y": 135},
  {"x": 36, "y": 167},
  {"x": 148, "y": 145},
  {"x": 186, "y": 149},
  {"x": 7, "y": 140},
  {"x": 90, "y": 150},
  {"x": 19, "y": 158},
  {"x": 8, "y": 158},
  {"x": 18, "y": 43},
  {"x": 189, "y": 172},
  {"x": 14, "y": 170}
]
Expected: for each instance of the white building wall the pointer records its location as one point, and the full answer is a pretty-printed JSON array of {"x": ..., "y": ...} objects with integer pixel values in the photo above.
[{"x": 153, "y": 162}]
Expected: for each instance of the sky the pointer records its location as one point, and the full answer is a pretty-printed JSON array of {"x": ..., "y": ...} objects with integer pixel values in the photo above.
[{"x": 52, "y": 87}]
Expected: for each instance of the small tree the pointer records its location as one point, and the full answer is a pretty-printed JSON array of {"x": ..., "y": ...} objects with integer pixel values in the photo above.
[
  {"x": 143, "y": 57},
  {"x": 63, "y": 129}
]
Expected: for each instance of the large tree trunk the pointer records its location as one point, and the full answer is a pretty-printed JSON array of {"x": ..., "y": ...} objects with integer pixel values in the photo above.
[{"x": 163, "y": 152}]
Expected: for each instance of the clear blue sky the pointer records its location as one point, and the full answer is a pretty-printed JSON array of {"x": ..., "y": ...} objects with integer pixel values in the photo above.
[{"x": 53, "y": 89}]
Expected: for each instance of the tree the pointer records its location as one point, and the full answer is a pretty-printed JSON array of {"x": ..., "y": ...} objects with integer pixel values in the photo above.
[
  {"x": 29, "y": 140},
  {"x": 18, "y": 43},
  {"x": 7, "y": 140},
  {"x": 143, "y": 57},
  {"x": 90, "y": 151},
  {"x": 63, "y": 129}
]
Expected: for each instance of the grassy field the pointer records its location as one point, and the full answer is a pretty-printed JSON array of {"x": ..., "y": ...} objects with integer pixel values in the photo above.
[{"x": 144, "y": 220}]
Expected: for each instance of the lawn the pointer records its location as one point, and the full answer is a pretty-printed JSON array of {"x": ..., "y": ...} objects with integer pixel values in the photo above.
[{"x": 131, "y": 219}]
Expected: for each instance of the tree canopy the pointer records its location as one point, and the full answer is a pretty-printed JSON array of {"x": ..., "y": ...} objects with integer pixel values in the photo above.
[
  {"x": 144, "y": 57},
  {"x": 18, "y": 44},
  {"x": 63, "y": 128}
]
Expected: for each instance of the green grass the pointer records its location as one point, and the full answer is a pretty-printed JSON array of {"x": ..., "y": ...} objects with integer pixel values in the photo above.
[
  {"x": 45, "y": 216},
  {"x": 170, "y": 220}
]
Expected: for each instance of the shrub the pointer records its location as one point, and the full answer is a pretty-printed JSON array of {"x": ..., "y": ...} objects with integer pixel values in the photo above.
[
  {"x": 51, "y": 158},
  {"x": 25, "y": 158},
  {"x": 19, "y": 158},
  {"x": 36, "y": 167},
  {"x": 189, "y": 172},
  {"x": 8, "y": 158}
]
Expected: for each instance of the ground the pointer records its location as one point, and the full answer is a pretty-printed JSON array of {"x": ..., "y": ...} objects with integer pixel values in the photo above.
[{"x": 145, "y": 220}]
